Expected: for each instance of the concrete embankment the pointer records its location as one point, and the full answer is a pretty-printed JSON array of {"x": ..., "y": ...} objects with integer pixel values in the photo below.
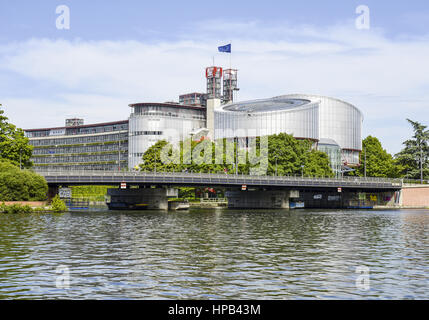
[
  {"x": 33, "y": 204},
  {"x": 414, "y": 197}
]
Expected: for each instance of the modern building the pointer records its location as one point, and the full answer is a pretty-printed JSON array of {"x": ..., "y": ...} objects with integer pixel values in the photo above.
[
  {"x": 330, "y": 123},
  {"x": 333, "y": 125},
  {"x": 100, "y": 146},
  {"x": 151, "y": 122},
  {"x": 193, "y": 99}
]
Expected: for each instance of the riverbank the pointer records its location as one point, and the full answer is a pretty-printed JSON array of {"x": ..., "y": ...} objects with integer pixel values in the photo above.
[
  {"x": 56, "y": 206},
  {"x": 33, "y": 204}
]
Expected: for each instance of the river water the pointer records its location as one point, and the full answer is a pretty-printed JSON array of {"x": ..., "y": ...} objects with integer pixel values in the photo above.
[{"x": 216, "y": 254}]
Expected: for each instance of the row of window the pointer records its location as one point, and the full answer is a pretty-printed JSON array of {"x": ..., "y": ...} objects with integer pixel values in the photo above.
[
  {"x": 81, "y": 149},
  {"x": 138, "y": 154},
  {"x": 80, "y": 158},
  {"x": 169, "y": 114},
  {"x": 76, "y": 131},
  {"x": 98, "y": 129},
  {"x": 80, "y": 140},
  {"x": 146, "y": 133},
  {"x": 104, "y": 166}
]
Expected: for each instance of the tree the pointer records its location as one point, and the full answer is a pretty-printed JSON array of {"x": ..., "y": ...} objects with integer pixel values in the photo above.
[
  {"x": 14, "y": 146},
  {"x": 152, "y": 158},
  {"x": 379, "y": 163},
  {"x": 58, "y": 205},
  {"x": 296, "y": 157},
  {"x": 317, "y": 164},
  {"x": 288, "y": 154},
  {"x": 415, "y": 156},
  {"x": 20, "y": 185}
]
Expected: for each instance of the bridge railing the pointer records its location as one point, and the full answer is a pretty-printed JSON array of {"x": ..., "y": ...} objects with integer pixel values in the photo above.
[{"x": 231, "y": 177}]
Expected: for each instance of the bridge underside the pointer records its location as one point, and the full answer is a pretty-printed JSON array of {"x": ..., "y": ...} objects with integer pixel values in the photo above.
[
  {"x": 260, "y": 191},
  {"x": 261, "y": 198},
  {"x": 311, "y": 198}
]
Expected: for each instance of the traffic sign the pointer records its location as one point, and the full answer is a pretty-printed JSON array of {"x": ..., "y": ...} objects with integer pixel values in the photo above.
[
  {"x": 123, "y": 185},
  {"x": 243, "y": 187},
  {"x": 340, "y": 189}
]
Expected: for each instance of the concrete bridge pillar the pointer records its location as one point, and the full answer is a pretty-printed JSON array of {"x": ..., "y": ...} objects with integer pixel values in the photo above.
[
  {"x": 138, "y": 199},
  {"x": 261, "y": 199}
]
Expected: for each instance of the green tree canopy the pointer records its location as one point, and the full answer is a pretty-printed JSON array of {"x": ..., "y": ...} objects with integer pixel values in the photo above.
[
  {"x": 416, "y": 150},
  {"x": 296, "y": 157},
  {"x": 289, "y": 153},
  {"x": 379, "y": 163},
  {"x": 13, "y": 144},
  {"x": 20, "y": 185}
]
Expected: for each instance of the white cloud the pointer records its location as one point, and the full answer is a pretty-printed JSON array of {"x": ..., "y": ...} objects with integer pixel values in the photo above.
[{"x": 386, "y": 78}]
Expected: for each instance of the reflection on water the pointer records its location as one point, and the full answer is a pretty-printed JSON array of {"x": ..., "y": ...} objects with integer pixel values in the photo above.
[{"x": 216, "y": 254}]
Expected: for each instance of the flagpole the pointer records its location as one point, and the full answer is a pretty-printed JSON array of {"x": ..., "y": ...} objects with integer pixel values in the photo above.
[
  {"x": 230, "y": 55},
  {"x": 230, "y": 70}
]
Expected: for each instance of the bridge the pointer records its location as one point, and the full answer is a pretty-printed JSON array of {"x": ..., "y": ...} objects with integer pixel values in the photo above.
[
  {"x": 243, "y": 191},
  {"x": 212, "y": 180}
]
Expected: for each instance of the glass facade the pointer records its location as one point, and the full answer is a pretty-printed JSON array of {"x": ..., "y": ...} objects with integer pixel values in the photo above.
[
  {"x": 91, "y": 147},
  {"x": 333, "y": 150}
]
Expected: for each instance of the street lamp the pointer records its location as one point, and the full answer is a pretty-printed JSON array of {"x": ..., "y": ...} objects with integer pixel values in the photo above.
[
  {"x": 276, "y": 163},
  {"x": 119, "y": 152},
  {"x": 421, "y": 164},
  {"x": 365, "y": 163},
  {"x": 236, "y": 156}
]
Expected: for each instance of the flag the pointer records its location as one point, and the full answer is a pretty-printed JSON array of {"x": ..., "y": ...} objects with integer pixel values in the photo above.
[{"x": 226, "y": 48}]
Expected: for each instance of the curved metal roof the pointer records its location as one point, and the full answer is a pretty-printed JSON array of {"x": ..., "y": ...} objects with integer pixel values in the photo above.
[
  {"x": 169, "y": 105},
  {"x": 266, "y": 105},
  {"x": 315, "y": 97},
  {"x": 279, "y": 103}
]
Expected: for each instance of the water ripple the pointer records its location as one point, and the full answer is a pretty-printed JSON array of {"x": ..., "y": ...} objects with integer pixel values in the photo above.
[{"x": 216, "y": 254}]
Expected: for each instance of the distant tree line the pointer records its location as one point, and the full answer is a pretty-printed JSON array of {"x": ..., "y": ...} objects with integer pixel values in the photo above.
[
  {"x": 289, "y": 156},
  {"x": 286, "y": 156},
  {"x": 410, "y": 163}
]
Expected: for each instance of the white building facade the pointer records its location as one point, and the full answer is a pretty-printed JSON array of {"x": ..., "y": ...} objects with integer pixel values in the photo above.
[
  {"x": 151, "y": 122},
  {"x": 304, "y": 116}
]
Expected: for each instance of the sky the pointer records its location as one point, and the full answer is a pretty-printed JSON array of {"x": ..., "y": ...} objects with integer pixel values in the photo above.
[{"x": 120, "y": 52}]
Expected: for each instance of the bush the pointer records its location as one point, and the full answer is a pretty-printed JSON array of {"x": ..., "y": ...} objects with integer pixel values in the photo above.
[
  {"x": 15, "y": 208},
  {"x": 21, "y": 185},
  {"x": 39, "y": 210},
  {"x": 58, "y": 205}
]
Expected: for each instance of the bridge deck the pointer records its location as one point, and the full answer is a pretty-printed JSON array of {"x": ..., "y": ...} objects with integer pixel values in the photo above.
[{"x": 202, "y": 179}]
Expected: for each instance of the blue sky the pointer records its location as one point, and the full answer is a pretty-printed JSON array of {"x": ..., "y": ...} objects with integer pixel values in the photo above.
[{"x": 120, "y": 52}]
